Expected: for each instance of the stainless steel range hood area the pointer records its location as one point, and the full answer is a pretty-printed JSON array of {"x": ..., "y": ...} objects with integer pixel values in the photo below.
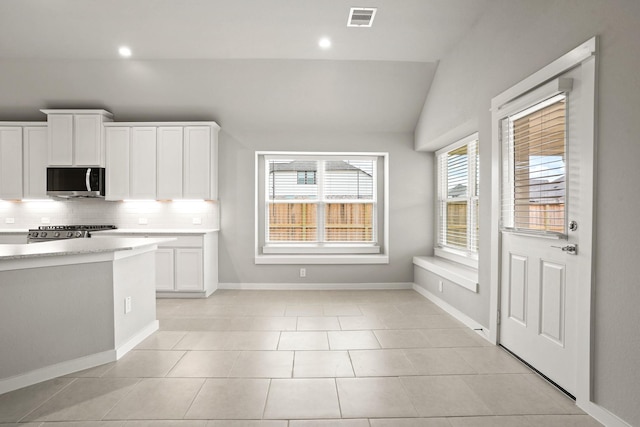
[{"x": 76, "y": 182}]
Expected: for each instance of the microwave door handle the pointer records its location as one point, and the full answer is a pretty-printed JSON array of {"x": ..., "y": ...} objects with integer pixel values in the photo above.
[{"x": 87, "y": 179}]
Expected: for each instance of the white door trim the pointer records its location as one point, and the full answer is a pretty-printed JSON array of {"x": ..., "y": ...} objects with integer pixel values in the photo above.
[{"x": 584, "y": 55}]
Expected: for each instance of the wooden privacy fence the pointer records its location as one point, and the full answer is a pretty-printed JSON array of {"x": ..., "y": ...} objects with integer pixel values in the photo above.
[
  {"x": 547, "y": 217},
  {"x": 344, "y": 222}
]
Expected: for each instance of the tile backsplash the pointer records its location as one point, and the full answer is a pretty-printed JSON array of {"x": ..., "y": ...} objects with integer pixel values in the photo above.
[{"x": 129, "y": 214}]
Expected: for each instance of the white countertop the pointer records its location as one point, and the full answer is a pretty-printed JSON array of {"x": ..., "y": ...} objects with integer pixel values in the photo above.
[
  {"x": 185, "y": 231},
  {"x": 13, "y": 230},
  {"x": 75, "y": 247}
]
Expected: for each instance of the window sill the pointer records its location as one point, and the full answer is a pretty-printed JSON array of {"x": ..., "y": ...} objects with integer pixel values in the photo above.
[
  {"x": 459, "y": 274},
  {"x": 325, "y": 249},
  {"x": 456, "y": 257},
  {"x": 322, "y": 259}
]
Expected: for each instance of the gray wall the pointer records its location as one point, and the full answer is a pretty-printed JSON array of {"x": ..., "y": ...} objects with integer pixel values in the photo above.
[
  {"x": 410, "y": 205},
  {"x": 511, "y": 41}
]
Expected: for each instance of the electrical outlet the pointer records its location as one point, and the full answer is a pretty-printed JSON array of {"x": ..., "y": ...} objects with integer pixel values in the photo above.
[
  {"x": 10, "y": 220},
  {"x": 143, "y": 221},
  {"x": 45, "y": 220},
  {"x": 196, "y": 220},
  {"x": 440, "y": 285},
  {"x": 127, "y": 305},
  {"x": 303, "y": 272}
]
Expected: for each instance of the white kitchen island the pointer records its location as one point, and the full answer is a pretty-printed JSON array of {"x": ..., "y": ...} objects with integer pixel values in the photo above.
[{"x": 74, "y": 304}]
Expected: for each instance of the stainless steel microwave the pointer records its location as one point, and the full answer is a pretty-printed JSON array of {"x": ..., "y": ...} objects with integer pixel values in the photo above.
[{"x": 75, "y": 182}]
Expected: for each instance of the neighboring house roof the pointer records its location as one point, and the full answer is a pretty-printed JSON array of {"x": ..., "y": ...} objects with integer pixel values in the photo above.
[
  {"x": 542, "y": 191},
  {"x": 458, "y": 191},
  {"x": 301, "y": 165}
]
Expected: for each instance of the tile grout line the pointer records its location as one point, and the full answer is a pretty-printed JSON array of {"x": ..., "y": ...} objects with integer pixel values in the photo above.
[
  {"x": 46, "y": 400},
  {"x": 204, "y": 381},
  {"x": 266, "y": 400}
]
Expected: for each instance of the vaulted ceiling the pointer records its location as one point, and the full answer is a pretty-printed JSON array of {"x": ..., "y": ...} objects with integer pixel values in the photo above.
[{"x": 252, "y": 64}]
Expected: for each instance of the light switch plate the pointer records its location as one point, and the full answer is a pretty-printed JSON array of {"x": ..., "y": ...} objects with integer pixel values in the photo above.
[
  {"x": 197, "y": 220},
  {"x": 10, "y": 220},
  {"x": 143, "y": 221}
]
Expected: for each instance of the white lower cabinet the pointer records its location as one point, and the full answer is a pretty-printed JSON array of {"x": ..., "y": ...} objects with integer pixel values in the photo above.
[
  {"x": 186, "y": 266},
  {"x": 189, "y": 272},
  {"x": 165, "y": 273}
]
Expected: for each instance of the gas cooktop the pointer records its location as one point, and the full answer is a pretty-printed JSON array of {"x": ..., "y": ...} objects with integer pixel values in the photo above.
[{"x": 46, "y": 233}]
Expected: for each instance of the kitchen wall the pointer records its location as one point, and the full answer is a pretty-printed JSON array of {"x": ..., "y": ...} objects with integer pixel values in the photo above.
[
  {"x": 177, "y": 214},
  {"x": 410, "y": 205},
  {"x": 512, "y": 40}
]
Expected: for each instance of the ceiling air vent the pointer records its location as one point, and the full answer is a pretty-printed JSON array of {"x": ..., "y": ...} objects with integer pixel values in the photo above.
[{"x": 361, "y": 16}]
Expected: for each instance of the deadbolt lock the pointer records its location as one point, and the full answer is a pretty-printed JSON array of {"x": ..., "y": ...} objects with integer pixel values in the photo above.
[{"x": 573, "y": 226}]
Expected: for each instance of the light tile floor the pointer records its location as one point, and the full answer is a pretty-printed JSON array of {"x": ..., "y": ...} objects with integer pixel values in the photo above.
[{"x": 301, "y": 359}]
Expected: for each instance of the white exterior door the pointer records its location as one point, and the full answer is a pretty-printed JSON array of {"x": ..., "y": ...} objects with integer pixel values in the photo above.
[{"x": 544, "y": 200}]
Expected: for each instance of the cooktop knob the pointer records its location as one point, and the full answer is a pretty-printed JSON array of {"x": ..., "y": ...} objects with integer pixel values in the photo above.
[
  {"x": 56, "y": 234},
  {"x": 78, "y": 233},
  {"x": 69, "y": 233},
  {"x": 43, "y": 234}
]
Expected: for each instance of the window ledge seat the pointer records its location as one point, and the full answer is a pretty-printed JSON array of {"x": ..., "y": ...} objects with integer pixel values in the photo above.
[{"x": 459, "y": 274}]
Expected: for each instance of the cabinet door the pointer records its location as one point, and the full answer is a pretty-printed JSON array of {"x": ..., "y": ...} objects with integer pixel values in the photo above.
[
  {"x": 165, "y": 278},
  {"x": 60, "y": 139},
  {"x": 143, "y": 163},
  {"x": 11, "y": 163},
  {"x": 88, "y": 140},
  {"x": 170, "y": 162},
  {"x": 197, "y": 162},
  {"x": 35, "y": 162},
  {"x": 117, "y": 153},
  {"x": 189, "y": 270}
]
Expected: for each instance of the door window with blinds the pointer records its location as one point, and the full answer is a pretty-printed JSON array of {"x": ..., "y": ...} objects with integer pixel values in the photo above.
[
  {"x": 323, "y": 201},
  {"x": 534, "y": 165},
  {"x": 457, "y": 189}
]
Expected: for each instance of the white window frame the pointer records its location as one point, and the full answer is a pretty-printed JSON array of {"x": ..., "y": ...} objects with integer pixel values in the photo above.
[
  {"x": 376, "y": 252},
  {"x": 467, "y": 257}
]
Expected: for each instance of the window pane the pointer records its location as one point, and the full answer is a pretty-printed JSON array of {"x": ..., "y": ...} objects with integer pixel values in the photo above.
[
  {"x": 457, "y": 173},
  {"x": 348, "y": 179},
  {"x": 456, "y": 233},
  {"x": 295, "y": 222},
  {"x": 539, "y": 176},
  {"x": 285, "y": 179},
  {"x": 349, "y": 222}
]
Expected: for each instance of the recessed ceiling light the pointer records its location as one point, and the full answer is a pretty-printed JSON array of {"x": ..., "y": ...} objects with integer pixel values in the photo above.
[
  {"x": 124, "y": 51},
  {"x": 324, "y": 43}
]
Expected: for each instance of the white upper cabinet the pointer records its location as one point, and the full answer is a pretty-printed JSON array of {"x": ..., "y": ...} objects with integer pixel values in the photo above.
[
  {"x": 75, "y": 137},
  {"x": 170, "y": 170},
  {"x": 143, "y": 163},
  {"x": 35, "y": 162},
  {"x": 10, "y": 162},
  {"x": 161, "y": 161},
  {"x": 199, "y": 163},
  {"x": 117, "y": 141}
]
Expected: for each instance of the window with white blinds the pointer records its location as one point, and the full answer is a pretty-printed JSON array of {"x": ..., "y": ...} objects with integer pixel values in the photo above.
[
  {"x": 320, "y": 200},
  {"x": 534, "y": 165},
  {"x": 458, "y": 186}
]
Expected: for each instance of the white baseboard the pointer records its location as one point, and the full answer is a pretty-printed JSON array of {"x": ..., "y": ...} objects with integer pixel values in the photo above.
[
  {"x": 57, "y": 370},
  {"x": 185, "y": 295},
  {"x": 137, "y": 339},
  {"x": 75, "y": 365},
  {"x": 602, "y": 415},
  {"x": 316, "y": 286},
  {"x": 472, "y": 324}
]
